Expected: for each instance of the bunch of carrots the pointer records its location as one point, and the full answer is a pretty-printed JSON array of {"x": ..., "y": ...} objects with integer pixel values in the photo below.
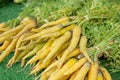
[{"x": 58, "y": 47}]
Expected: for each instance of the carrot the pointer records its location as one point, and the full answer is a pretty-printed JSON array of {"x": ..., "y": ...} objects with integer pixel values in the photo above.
[
  {"x": 8, "y": 49},
  {"x": 74, "y": 53},
  {"x": 74, "y": 75},
  {"x": 13, "y": 31},
  {"x": 23, "y": 53},
  {"x": 39, "y": 56},
  {"x": 41, "y": 66},
  {"x": 57, "y": 45},
  {"x": 52, "y": 65},
  {"x": 26, "y": 45},
  {"x": 82, "y": 46},
  {"x": 2, "y": 25},
  {"x": 56, "y": 34},
  {"x": 48, "y": 43},
  {"x": 38, "y": 63},
  {"x": 82, "y": 71},
  {"x": 66, "y": 77},
  {"x": 70, "y": 27},
  {"x": 17, "y": 46},
  {"x": 26, "y": 28},
  {"x": 45, "y": 31},
  {"x": 5, "y": 45},
  {"x": 61, "y": 72},
  {"x": 61, "y": 50},
  {"x": 92, "y": 75},
  {"x": 27, "y": 20},
  {"x": 105, "y": 73},
  {"x": 59, "y": 21},
  {"x": 3, "y": 29},
  {"x": 99, "y": 76},
  {"x": 7, "y": 34},
  {"x": 72, "y": 46},
  {"x": 46, "y": 75},
  {"x": 76, "y": 66},
  {"x": 36, "y": 49}
]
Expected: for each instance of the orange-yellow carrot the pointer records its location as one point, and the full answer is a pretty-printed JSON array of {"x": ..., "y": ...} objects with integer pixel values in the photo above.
[
  {"x": 105, "y": 73},
  {"x": 61, "y": 72},
  {"x": 82, "y": 71},
  {"x": 99, "y": 76},
  {"x": 5, "y": 45},
  {"x": 72, "y": 46},
  {"x": 59, "y": 21},
  {"x": 76, "y": 66},
  {"x": 83, "y": 49},
  {"x": 57, "y": 45},
  {"x": 8, "y": 49},
  {"x": 92, "y": 75}
]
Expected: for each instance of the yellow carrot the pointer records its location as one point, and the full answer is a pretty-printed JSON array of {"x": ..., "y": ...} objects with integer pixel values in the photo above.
[
  {"x": 23, "y": 53},
  {"x": 7, "y": 34},
  {"x": 76, "y": 66},
  {"x": 66, "y": 77},
  {"x": 17, "y": 46},
  {"x": 72, "y": 46},
  {"x": 61, "y": 72},
  {"x": 57, "y": 45},
  {"x": 52, "y": 65},
  {"x": 99, "y": 76},
  {"x": 82, "y": 46},
  {"x": 105, "y": 73},
  {"x": 92, "y": 75},
  {"x": 41, "y": 66},
  {"x": 5, "y": 45},
  {"x": 59, "y": 21},
  {"x": 39, "y": 56},
  {"x": 2, "y": 25},
  {"x": 26, "y": 28},
  {"x": 13, "y": 31},
  {"x": 70, "y": 27},
  {"x": 61, "y": 50},
  {"x": 8, "y": 49},
  {"x": 45, "y": 31},
  {"x": 3, "y": 29},
  {"x": 46, "y": 75},
  {"x": 48, "y": 43},
  {"x": 82, "y": 71},
  {"x": 74, "y": 75},
  {"x": 36, "y": 49},
  {"x": 74, "y": 53}
]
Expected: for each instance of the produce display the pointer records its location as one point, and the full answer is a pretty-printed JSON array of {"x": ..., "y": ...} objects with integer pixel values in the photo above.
[{"x": 67, "y": 45}]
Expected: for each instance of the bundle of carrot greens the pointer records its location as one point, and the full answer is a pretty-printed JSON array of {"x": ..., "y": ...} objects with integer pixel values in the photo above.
[{"x": 66, "y": 38}]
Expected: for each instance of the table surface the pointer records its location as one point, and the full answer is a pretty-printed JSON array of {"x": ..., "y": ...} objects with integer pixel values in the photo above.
[{"x": 15, "y": 72}]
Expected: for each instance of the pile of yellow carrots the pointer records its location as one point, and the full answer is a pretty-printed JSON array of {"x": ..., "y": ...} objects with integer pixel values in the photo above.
[{"x": 58, "y": 47}]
